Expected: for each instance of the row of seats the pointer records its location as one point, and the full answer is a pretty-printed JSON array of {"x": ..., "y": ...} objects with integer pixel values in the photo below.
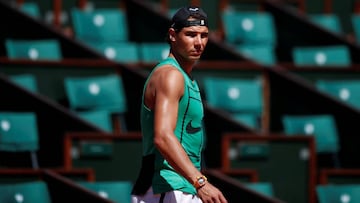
[
  {"x": 324, "y": 193},
  {"x": 254, "y": 35},
  {"x": 50, "y": 49},
  {"x": 38, "y": 191},
  {"x": 243, "y": 100},
  {"x": 99, "y": 99},
  {"x": 311, "y": 56}
]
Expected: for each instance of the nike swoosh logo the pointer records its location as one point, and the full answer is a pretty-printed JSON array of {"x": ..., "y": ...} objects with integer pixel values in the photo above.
[{"x": 192, "y": 130}]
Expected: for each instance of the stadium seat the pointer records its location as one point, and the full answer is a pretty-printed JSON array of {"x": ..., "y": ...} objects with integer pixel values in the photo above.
[
  {"x": 30, "y": 8},
  {"x": 27, "y": 81},
  {"x": 31, "y": 191},
  {"x": 153, "y": 52},
  {"x": 97, "y": 93},
  {"x": 340, "y": 193},
  {"x": 355, "y": 22},
  {"x": 242, "y": 98},
  {"x": 262, "y": 54},
  {"x": 100, "y": 25},
  {"x": 336, "y": 56},
  {"x": 265, "y": 188},
  {"x": 100, "y": 118},
  {"x": 125, "y": 52},
  {"x": 117, "y": 191},
  {"x": 19, "y": 133},
  {"x": 347, "y": 91},
  {"x": 331, "y": 22},
  {"x": 42, "y": 49},
  {"x": 323, "y": 127},
  {"x": 248, "y": 27}
]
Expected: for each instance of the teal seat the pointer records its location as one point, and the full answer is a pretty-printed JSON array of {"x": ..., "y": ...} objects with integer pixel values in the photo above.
[
  {"x": 100, "y": 118},
  {"x": 355, "y": 22},
  {"x": 97, "y": 93},
  {"x": 264, "y": 188},
  {"x": 100, "y": 25},
  {"x": 19, "y": 133},
  {"x": 44, "y": 49},
  {"x": 331, "y": 22},
  {"x": 30, "y": 8},
  {"x": 117, "y": 191},
  {"x": 261, "y": 54},
  {"x": 102, "y": 92},
  {"x": 249, "y": 119},
  {"x": 329, "y": 56},
  {"x": 338, "y": 193},
  {"x": 242, "y": 98},
  {"x": 27, "y": 81},
  {"x": 249, "y": 27},
  {"x": 152, "y": 52},
  {"x": 31, "y": 191},
  {"x": 323, "y": 127},
  {"x": 125, "y": 52},
  {"x": 347, "y": 91}
]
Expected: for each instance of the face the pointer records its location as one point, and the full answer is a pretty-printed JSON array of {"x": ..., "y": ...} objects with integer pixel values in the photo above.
[{"x": 190, "y": 42}]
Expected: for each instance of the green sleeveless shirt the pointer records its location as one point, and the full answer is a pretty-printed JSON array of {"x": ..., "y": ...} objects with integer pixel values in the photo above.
[{"x": 189, "y": 132}]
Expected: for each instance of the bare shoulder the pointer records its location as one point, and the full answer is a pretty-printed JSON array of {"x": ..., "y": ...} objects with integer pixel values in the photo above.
[{"x": 168, "y": 75}]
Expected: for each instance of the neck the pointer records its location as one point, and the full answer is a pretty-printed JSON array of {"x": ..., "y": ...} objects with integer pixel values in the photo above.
[{"x": 186, "y": 65}]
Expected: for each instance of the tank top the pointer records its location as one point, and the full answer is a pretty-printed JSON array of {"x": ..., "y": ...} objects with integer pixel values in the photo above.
[{"x": 189, "y": 132}]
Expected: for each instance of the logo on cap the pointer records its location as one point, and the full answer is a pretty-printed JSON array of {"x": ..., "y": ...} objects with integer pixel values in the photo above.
[{"x": 193, "y": 9}]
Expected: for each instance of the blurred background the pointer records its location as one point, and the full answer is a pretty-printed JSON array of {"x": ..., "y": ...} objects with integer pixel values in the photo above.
[{"x": 280, "y": 81}]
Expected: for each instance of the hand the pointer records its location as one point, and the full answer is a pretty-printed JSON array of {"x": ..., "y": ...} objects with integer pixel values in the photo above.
[{"x": 210, "y": 194}]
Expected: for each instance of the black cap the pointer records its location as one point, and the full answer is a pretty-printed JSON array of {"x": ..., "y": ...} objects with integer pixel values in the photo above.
[{"x": 180, "y": 18}]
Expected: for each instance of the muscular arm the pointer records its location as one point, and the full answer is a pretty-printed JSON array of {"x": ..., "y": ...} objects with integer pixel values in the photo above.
[
  {"x": 165, "y": 90},
  {"x": 169, "y": 87}
]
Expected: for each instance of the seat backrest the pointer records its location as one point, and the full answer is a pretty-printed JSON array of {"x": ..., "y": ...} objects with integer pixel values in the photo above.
[
  {"x": 249, "y": 27},
  {"x": 32, "y": 191},
  {"x": 18, "y": 131},
  {"x": 103, "y": 92},
  {"x": 355, "y": 21},
  {"x": 30, "y": 8},
  {"x": 152, "y": 52},
  {"x": 346, "y": 193},
  {"x": 117, "y": 191},
  {"x": 100, "y": 25},
  {"x": 100, "y": 118},
  {"x": 338, "y": 56},
  {"x": 242, "y": 98},
  {"x": 125, "y": 52},
  {"x": 347, "y": 91},
  {"x": 265, "y": 188},
  {"x": 234, "y": 95},
  {"x": 263, "y": 54},
  {"x": 27, "y": 81},
  {"x": 44, "y": 49},
  {"x": 249, "y": 119},
  {"x": 323, "y": 127},
  {"x": 331, "y": 22}
]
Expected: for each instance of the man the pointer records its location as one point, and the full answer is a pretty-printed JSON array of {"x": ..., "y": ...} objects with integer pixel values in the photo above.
[{"x": 171, "y": 120}]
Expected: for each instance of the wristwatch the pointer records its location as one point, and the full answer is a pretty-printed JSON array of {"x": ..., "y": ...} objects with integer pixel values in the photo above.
[{"x": 200, "y": 181}]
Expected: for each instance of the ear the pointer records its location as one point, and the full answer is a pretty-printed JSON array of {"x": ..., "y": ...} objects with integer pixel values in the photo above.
[{"x": 172, "y": 34}]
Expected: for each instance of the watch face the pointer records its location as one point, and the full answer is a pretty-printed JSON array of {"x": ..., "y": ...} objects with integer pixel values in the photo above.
[{"x": 201, "y": 181}]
